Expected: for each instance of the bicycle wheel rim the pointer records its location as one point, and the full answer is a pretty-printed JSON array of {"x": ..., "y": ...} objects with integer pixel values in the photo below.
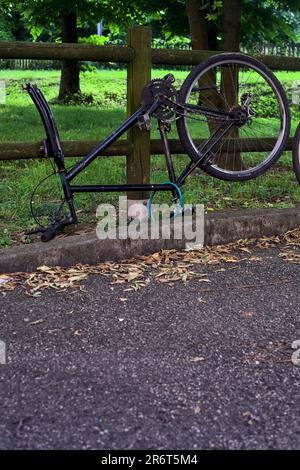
[
  {"x": 296, "y": 153},
  {"x": 266, "y": 122}
]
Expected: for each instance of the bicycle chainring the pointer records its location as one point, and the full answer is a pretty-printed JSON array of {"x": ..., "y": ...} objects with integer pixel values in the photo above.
[{"x": 156, "y": 88}]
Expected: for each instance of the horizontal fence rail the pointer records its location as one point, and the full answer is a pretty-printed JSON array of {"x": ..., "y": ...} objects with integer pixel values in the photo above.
[
  {"x": 181, "y": 57},
  {"x": 139, "y": 57},
  {"x": 76, "y": 148},
  {"x": 72, "y": 148},
  {"x": 54, "y": 51},
  {"x": 124, "y": 54}
]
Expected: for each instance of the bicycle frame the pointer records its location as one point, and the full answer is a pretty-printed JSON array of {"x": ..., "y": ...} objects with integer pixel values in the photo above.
[{"x": 53, "y": 148}]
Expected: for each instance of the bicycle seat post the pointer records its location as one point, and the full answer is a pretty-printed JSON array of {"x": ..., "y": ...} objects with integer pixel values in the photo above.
[{"x": 164, "y": 129}]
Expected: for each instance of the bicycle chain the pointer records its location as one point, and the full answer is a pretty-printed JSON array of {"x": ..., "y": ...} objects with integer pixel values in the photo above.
[
  {"x": 165, "y": 113},
  {"x": 191, "y": 111}
]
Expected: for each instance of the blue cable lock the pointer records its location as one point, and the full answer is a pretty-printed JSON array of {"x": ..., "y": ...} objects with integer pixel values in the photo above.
[{"x": 178, "y": 210}]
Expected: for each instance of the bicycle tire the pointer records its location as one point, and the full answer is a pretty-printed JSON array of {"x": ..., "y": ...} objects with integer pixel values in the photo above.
[
  {"x": 189, "y": 145},
  {"x": 296, "y": 154}
]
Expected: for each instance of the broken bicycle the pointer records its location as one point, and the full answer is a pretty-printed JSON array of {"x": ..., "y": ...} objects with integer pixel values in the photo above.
[{"x": 225, "y": 112}]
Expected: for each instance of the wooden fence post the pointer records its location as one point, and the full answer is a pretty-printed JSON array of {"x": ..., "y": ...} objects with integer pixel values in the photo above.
[{"x": 138, "y": 74}]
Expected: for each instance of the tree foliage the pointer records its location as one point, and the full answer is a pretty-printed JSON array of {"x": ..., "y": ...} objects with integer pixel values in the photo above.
[
  {"x": 273, "y": 21},
  {"x": 46, "y": 14},
  {"x": 6, "y": 27}
]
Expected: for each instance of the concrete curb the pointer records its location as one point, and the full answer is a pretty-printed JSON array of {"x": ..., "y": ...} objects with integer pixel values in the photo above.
[{"x": 220, "y": 228}]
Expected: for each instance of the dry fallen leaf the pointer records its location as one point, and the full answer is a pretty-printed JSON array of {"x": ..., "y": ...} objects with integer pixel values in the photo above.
[
  {"x": 78, "y": 333},
  {"x": 292, "y": 237},
  {"x": 291, "y": 256},
  {"x": 36, "y": 322},
  {"x": 247, "y": 314},
  {"x": 45, "y": 269},
  {"x": 255, "y": 258},
  {"x": 4, "y": 279},
  {"x": 197, "y": 359},
  {"x": 244, "y": 249}
]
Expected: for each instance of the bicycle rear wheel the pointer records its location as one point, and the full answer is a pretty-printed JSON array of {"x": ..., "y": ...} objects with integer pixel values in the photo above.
[
  {"x": 296, "y": 153},
  {"x": 223, "y": 83}
]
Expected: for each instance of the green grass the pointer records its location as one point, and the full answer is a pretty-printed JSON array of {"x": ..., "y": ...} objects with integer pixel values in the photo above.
[{"x": 19, "y": 121}]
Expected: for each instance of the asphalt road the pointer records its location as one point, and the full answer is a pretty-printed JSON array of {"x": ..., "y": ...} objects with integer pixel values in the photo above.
[{"x": 195, "y": 366}]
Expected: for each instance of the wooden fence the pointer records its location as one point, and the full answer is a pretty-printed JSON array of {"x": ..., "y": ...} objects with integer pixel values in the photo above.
[
  {"x": 289, "y": 50},
  {"x": 139, "y": 57}
]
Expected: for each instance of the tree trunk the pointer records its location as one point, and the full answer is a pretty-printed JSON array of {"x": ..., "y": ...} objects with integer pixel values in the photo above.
[
  {"x": 69, "y": 81},
  {"x": 231, "y": 28},
  {"x": 202, "y": 40},
  {"x": 197, "y": 24}
]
